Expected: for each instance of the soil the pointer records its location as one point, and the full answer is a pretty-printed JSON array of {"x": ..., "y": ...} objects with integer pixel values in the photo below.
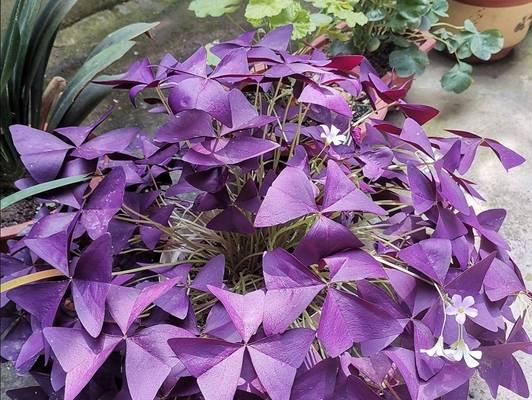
[
  {"x": 20, "y": 212},
  {"x": 379, "y": 58},
  {"x": 361, "y": 107}
]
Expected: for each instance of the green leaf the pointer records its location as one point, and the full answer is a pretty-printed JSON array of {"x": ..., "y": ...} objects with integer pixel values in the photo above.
[
  {"x": 408, "y": 61},
  {"x": 213, "y": 8},
  {"x": 373, "y": 44},
  {"x": 128, "y": 32},
  {"x": 458, "y": 78},
  {"x": 398, "y": 24},
  {"x": 400, "y": 41},
  {"x": 338, "y": 47},
  {"x": 352, "y": 18},
  {"x": 43, "y": 35},
  {"x": 212, "y": 59},
  {"x": 412, "y": 10},
  {"x": 462, "y": 45},
  {"x": 40, "y": 188},
  {"x": 259, "y": 9},
  {"x": 298, "y": 17},
  {"x": 485, "y": 44},
  {"x": 87, "y": 100},
  {"x": 375, "y": 15},
  {"x": 440, "y": 7},
  {"x": 10, "y": 46},
  {"x": 85, "y": 74},
  {"x": 320, "y": 20},
  {"x": 469, "y": 26}
]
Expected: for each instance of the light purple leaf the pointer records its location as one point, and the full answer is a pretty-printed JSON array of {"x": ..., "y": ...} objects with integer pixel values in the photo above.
[
  {"x": 50, "y": 239},
  {"x": 80, "y": 355},
  {"x": 201, "y": 94},
  {"x": 293, "y": 189},
  {"x": 276, "y": 359},
  {"x": 346, "y": 319},
  {"x": 246, "y": 311},
  {"x": 218, "y": 152},
  {"x": 186, "y": 125},
  {"x": 341, "y": 194},
  {"x": 41, "y": 152},
  {"x": 431, "y": 257},
  {"x": 104, "y": 203},
  {"x": 148, "y": 350},
  {"x": 353, "y": 265},
  {"x": 414, "y": 134},
  {"x": 290, "y": 287},
  {"x": 326, "y": 97},
  {"x": 115, "y": 141},
  {"x": 325, "y": 237},
  {"x": 125, "y": 304},
  {"x": 211, "y": 361},
  {"x": 422, "y": 188}
]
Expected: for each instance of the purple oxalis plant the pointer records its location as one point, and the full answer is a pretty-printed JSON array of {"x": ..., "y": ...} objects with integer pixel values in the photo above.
[{"x": 264, "y": 242}]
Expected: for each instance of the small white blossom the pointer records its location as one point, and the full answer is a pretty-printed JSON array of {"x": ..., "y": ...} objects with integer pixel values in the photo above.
[
  {"x": 437, "y": 350},
  {"x": 460, "y": 350},
  {"x": 461, "y": 309},
  {"x": 332, "y": 136}
]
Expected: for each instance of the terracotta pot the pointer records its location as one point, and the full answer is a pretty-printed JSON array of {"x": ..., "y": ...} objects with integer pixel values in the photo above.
[
  {"x": 11, "y": 232},
  {"x": 511, "y": 17}
]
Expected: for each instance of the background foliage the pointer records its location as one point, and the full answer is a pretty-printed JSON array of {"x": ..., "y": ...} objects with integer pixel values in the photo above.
[{"x": 395, "y": 27}]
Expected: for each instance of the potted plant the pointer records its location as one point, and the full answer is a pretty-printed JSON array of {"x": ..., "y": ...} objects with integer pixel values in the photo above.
[
  {"x": 260, "y": 245},
  {"x": 394, "y": 35},
  {"x": 512, "y": 18}
]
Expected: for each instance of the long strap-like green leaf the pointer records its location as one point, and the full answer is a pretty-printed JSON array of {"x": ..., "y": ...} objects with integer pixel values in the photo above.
[
  {"x": 110, "y": 49},
  {"x": 40, "y": 188}
]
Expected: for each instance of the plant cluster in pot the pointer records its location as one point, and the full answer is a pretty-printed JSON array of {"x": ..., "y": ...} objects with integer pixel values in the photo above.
[{"x": 259, "y": 245}]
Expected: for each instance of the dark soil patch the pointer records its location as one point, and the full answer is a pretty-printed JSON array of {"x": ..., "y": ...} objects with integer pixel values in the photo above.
[
  {"x": 379, "y": 58},
  {"x": 361, "y": 107},
  {"x": 20, "y": 212}
]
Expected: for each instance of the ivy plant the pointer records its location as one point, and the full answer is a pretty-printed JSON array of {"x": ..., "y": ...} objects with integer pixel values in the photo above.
[{"x": 393, "y": 27}]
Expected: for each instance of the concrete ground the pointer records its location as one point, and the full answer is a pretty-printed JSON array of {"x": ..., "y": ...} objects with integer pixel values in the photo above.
[{"x": 498, "y": 105}]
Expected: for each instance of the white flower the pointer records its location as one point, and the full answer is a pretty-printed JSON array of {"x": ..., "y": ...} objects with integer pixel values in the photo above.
[
  {"x": 331, "y": 135},
  {"x": 461, "y": 308},
  {"x": 435, "y": 351},
  {"x": 460, "y": 350}
]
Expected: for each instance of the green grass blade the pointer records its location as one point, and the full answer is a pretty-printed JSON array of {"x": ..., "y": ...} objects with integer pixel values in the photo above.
[
  {"x": 40, "y": 188},
  {"x": 85, "y": 74},
  {"x": 124, "y": 34}
]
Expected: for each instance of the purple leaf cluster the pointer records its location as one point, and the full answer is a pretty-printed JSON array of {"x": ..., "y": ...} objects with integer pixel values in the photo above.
[{"x": 262, "y": 243}]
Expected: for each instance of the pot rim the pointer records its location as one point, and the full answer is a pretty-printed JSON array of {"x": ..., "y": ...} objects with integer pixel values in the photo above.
[{"x": 494, "y": 3}]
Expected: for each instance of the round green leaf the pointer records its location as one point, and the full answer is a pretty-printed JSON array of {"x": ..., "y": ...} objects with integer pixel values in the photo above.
[
  {"x": 408, "y": 61},
  {"x": 259, "y": 9},
  {"x": 298, "y": 17},
  {"x": 319, "y": 19},
  {"x": 373, "y": 44},
  {"x": 375, "y": 15},
  {"x": 413, "y": 9},
  {"x": 470, "y": 26},
  {"x": 217, "y": 8},
  {"x": 458, "y": 78},
  {"x": 487, "y": 43}
]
